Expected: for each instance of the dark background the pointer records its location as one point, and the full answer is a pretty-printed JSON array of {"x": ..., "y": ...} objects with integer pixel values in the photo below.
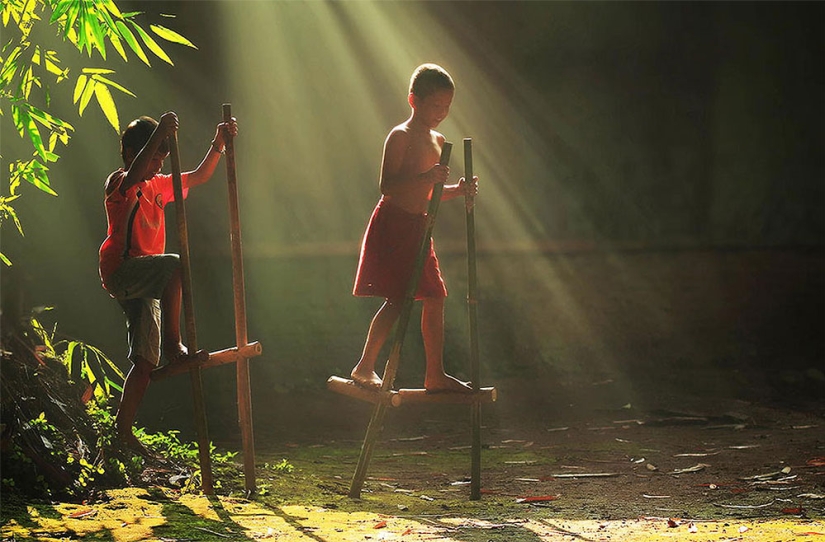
[{"x": 650, "y": 212}]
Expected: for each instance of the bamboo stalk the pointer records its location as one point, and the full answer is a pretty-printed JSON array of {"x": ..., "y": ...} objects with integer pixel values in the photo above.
[
  {"x": 189, "y": 317},
  {"x": 391, "y": 367},
  {"x": 242, "y": 364},
  {"x": 472, "y": 313}
]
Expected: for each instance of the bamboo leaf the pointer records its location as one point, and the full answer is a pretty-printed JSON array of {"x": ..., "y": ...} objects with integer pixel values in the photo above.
[
  {"x": 111, "y": 83},
  {"x": 107, "y": 104},
  {"x": 152, "y": 44},
  {"x": 71, "y": 17},
  {"x": 59, "y": 10},
  {"x": 86, "y": 96},
  {"x": 130, "y": 40},
  {"x": 97, "y": 71},
  {"x": 112, "y": 8},
  {"x": 171, "y": 35},
  {"x": 95, "y": 33},
  {"x": 5, "y": 260},
  {"x": 79, "y": 87},
  {"x": 115, "y": 40}
]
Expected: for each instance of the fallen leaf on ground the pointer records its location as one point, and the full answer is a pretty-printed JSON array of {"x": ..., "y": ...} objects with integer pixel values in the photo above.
[
  {"x": 695, "y": 468},
  {"x": 86, "y": 512},
  {"x": 537, "y": 498}
]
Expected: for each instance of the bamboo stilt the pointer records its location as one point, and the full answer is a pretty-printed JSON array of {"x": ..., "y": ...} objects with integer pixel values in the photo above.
[
  {"x": 242, "y": 364},
  {"x": 391, "y": 368},
  {"x": 189, "y": 317},
  {"x": 472, "y": 304}
]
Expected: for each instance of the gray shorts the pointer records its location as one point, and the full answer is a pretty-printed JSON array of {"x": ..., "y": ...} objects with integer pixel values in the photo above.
[{"x": 138, "y": 285}]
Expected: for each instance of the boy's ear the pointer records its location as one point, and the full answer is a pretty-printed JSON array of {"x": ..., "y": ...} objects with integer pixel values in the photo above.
[
  {"x": 128, "y": 156},
  {"x": 411, "y": 100}
]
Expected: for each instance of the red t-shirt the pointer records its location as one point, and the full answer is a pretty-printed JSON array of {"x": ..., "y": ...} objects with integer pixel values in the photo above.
[{"x": 136, "y": 222}]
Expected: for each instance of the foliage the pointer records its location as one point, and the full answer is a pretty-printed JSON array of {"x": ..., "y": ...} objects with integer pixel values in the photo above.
[
  {"x": 57, "y": 426},
  {"x": 30, "y": 68}
]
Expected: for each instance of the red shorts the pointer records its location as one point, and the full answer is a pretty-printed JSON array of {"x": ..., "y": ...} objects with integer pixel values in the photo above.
[{"x": 388, "y": 252}]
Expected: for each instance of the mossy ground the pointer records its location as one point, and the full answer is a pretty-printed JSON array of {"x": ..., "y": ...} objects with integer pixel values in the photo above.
[{"x": 606, "y": 475}]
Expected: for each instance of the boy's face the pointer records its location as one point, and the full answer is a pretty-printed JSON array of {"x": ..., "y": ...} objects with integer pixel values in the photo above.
[
  {"x": 434, "y": 108},
  {"x": 156, "y": 164}
]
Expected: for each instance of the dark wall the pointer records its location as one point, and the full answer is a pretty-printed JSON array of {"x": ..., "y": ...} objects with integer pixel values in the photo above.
[{"x": 691, "y": 133}]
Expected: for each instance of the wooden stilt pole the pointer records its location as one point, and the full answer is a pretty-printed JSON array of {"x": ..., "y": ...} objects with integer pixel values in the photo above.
[
  {"x": 242, "y": 364},
  {"x": 189, "y": 317},
  {"x": 374, "y": 427},
  {"x": 472, "y": 304}
]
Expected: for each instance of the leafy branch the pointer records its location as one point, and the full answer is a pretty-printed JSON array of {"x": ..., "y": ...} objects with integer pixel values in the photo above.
[{"x": 29, "y": 70}]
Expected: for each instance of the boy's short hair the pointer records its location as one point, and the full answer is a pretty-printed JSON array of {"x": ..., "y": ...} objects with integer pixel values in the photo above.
[
  {"x": 428, "y": 78},
  {"x": 137, "y": 134}
]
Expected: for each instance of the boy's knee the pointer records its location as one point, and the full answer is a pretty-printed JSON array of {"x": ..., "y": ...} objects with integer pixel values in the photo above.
[{"x": 143, "y": 366}]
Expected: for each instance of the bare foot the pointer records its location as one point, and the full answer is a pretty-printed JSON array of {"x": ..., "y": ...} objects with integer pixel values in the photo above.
[
  {"x": 445, "y": 383},
  {"x": 129, "y": 441},
  {"x": 368, "y": 380},
  {"x": 177, "y": 353}
]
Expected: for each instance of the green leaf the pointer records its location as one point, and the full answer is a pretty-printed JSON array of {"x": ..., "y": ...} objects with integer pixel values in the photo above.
[
  {"x": 130, "y": 40},
  {"x": 94, "y": 71},
  {"x": 95, "y": 34},
  {"x": 59, "y": 9},
  {"x": 107, "y": 104},
  {"x": 112, "y": 8},
  {"x": 74, "y": 360},
  {"x": 79, "y": 87},
  {"x": 152, "y": 44},
  {"x": 5, "y": 260},
  {"x": 171, "y": 35},
  {"x": 86, "y": 96},
  {"x": 111, "y": 83}
]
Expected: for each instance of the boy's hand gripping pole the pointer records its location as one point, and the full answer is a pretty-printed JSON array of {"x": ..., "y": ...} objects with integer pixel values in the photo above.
[
  {"x": 189, "y": 317},
  {"x": 391, "y": 368}
]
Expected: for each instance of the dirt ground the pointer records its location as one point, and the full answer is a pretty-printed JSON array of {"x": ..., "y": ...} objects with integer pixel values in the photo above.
[{"x": 569, "y": 465}]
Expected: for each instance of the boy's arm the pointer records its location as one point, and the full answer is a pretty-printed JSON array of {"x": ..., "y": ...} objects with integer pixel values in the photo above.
[
  {"x": 206, "y": 168},
  {"x": 461, "y": 188},
  {"x": 139, "y": 168},
  {"x": 394, "y": 179}
]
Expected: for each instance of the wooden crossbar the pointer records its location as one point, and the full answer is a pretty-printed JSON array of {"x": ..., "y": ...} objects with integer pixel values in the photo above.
[
  {"x": 347, "y": 387},
  {"x": 209, "y": 359},
  {"x": 414, "y": 395},
  {"x": 404, "y": 396}
]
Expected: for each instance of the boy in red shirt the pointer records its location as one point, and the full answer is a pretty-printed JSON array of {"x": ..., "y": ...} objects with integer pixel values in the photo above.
[
  {"x": 409, "y": 169},
  {"x": 134, "y": 268}
]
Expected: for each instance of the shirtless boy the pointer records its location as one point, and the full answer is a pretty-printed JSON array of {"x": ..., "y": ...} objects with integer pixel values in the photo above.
[{"x": 409, "y": 170}]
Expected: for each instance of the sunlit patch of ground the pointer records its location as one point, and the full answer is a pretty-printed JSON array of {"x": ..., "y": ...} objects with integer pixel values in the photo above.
[{"x": 139, "y": 515}]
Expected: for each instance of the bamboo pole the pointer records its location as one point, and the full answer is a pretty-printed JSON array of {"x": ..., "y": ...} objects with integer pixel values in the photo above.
[
  {"x": 391, "y": 367},
  {"x": 242, "y": 364},
  {"x": 472, "y": 313},
  {"x": 189, "y": 317}
]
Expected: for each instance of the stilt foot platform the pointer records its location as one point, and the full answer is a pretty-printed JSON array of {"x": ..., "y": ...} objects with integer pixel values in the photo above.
[{"x": 209, "y": 359}]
